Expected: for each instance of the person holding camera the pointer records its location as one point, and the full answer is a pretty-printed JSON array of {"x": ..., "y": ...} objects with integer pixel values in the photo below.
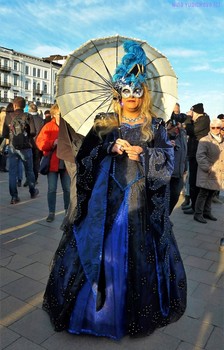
[{"x": 178, "y": 138}]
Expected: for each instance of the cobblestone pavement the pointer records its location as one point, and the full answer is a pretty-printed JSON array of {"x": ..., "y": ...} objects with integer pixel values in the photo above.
[{"x": 27, "y": 246}]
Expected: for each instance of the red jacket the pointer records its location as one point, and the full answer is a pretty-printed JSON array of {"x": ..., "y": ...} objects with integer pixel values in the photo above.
[{"x": 45, "y": 141}]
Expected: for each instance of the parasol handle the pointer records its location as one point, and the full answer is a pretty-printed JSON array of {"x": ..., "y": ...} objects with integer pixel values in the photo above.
[{"x": 119, "y": 132}]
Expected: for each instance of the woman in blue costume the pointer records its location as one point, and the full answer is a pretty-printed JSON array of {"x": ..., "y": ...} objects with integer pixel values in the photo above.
[{"x": 118, "y": 270}]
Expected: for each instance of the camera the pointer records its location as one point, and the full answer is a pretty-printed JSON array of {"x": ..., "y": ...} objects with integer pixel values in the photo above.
[{"x": 177, "y": 118}]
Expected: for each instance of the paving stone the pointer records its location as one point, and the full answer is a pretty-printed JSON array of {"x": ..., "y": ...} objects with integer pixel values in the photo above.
[
  {"x": 35, "y": 271},
  {"x": 215, "y": 256},
  {"x": 8, "y": 276},
  {"x": 211, "y": 294},
  {"x": 3, "y": 295},
  {"x": 190, "y": 330},
  {"x": 7, "y": 336},
  {"x": 187, "y": 346},
  {"x": 45, "y": 256},
  {"x": 5, "y": 253},
  {"x": 23, "y": 288},
  {"x": 34, "y": 326},
  {"x": 37, "y": 299},
  {"x": 195, "y": 261},
  {"x": 202, "y": 276},
  {"x": 12, "y": 309},
  {"x": 16, "y": 262},
  {"x": 26, "y": 249},
  {"x": 24, "y": 344},
  {"x": 216, "y": 340},
  {"x": 193, "y": 251},
  {"x": 191, "y": 286},
  {"x": 67, "y": 341}
]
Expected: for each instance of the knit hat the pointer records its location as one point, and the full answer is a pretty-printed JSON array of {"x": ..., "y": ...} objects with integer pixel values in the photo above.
[{"x": 198, "y": 108}]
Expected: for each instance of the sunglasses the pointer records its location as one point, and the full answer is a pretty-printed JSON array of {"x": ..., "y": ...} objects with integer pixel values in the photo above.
[
  {"x": 222, "y": 129},
  {"x": 216, "y": 127}
]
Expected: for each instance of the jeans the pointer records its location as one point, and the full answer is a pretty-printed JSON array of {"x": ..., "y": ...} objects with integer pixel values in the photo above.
[
  {"x": 20, "y": 170},
  {"x": 15, "y": 156},
  {"x": 52, "y": 178}
]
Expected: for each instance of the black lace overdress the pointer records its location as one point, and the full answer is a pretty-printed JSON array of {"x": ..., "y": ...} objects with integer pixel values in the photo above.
[{"x": 118, "y": 270}]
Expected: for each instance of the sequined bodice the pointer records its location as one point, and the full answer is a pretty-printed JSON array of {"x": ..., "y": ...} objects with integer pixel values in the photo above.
[{"x": 126, "y": 172}]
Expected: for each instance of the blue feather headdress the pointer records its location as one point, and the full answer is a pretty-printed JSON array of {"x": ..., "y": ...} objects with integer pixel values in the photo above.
[{"x": 131, "y": 70}]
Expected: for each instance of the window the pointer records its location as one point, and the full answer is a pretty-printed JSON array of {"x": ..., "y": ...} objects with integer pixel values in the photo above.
[
  {"x": 27, "y": 70},
  {"x": 45, "y": 88},
  {"x": 34, "y": 72},
  {"x": 34, "y": 86},
  {"x": 15, "y": 94},
  {"x": 15, "y": 80},
  {"x": 6, "y": 63},
  {"x": 38, "y": 87},
  {"x": 26, "y": 85},
  {"x": 5, "y": 78},
  {"x": 5, "y": 94},
  {"x": 45, "y": 74},
  {"x": 16, "y": 65},
  {"x": 38, "y": 73}
]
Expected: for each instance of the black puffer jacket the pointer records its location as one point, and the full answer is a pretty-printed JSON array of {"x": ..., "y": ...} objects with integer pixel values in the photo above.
[{"x": 196, "y": 130}]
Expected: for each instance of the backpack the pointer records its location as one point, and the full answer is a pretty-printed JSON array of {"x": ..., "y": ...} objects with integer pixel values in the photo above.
[{"x": 20, "y": 130}]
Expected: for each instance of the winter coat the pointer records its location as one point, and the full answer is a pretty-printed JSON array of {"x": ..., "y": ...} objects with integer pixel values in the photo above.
[
  {"x": 68, "y": 142},
  {"x": 210, "y": 158},
  {"x": 45, "y": 142},
  {"x": 180, "y": 153},
  {"x": 195, "y": 131}
]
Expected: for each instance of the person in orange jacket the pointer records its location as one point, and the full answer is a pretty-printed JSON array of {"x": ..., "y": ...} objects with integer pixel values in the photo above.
[{"x": 46, "y": 141}]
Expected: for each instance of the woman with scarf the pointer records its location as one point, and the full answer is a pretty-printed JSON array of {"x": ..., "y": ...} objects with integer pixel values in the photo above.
[{"x": 210, "y": 173}]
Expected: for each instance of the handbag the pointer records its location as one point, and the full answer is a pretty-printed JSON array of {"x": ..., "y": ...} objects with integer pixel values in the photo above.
[{"x": 45, "y": 163}]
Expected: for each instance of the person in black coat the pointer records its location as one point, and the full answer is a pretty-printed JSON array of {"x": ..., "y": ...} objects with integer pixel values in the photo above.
[
  {"x": 197, "y": 125},
  {"x": 178, "y": 138}
]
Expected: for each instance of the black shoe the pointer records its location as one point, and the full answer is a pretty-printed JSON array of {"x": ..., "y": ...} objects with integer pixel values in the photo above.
[
  {"x": 50, "y": 217},
  {"x": 210, "y": 217},
  {"x": 186, "y": 201},
  {"x": 221, "y": 246},
  {"x": 15, "y": 200},
  {"x": 35, "y": 194},
  {"x": 188, "y": 211},
  {"x": 200, "y": 219},
  {"x": 25, "y": 184},
  {"x": 185, "y": 207},
  {"x": 19, "y": 183}
]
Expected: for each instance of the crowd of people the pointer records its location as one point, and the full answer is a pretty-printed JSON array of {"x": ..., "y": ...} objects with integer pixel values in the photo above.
[{"x": 117, "y": 269}]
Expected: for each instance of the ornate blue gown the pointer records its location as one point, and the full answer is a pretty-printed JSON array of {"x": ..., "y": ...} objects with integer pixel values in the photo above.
[{"x": 118, "y": 270}]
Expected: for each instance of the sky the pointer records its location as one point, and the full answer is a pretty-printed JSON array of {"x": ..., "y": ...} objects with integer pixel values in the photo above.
[{"x": 189, "y": 33}]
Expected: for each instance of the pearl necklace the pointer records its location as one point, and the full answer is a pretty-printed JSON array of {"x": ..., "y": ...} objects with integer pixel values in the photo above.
[{"x": 130, "y": 120}]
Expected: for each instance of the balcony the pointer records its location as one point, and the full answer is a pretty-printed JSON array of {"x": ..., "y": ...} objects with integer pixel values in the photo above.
[
  {"x": 5, "y": 68},
  {"x": 5, "y": 100},
  {"x": 38, "y": 92},
  {"x": 5, "y": 85}
]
